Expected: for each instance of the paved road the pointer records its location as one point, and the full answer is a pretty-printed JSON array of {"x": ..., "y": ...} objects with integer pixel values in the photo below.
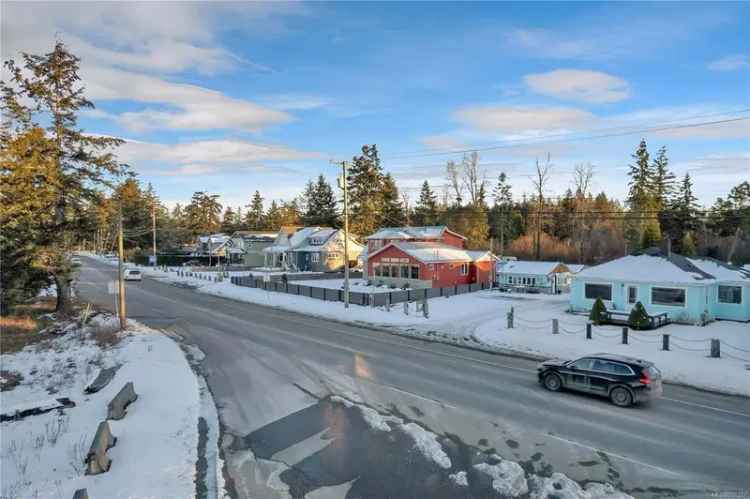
[{"x": 264, "y": 364}]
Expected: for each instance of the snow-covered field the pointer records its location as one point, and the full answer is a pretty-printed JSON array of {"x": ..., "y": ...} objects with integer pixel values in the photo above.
[
  {"x": 481, "y": 318},
  {"x": 156, "y": 450}
]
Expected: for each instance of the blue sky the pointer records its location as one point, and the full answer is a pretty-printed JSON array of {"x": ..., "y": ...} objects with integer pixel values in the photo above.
[{"x": 235, "y": 97}]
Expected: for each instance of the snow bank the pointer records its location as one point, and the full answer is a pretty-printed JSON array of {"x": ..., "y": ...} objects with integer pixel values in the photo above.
[
  {"x": 508, "y": 478},
  {"x": 156, "y": 450},
  {"x": 427, "y": 442},
  {"x": 559, "y": 486}
]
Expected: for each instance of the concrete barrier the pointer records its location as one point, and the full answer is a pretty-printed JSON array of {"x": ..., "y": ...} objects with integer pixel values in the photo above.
[
  {"x": 117, "y": 408},
  {"x": 97, "y": 460}
]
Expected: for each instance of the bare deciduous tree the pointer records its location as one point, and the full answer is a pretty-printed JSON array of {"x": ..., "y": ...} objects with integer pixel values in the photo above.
[
  {"x": 472, "y": 178},
  {"x": 452, "y": 174},
  {"x": 582, "y": 176},
  {"x": 540, "y": 180}
]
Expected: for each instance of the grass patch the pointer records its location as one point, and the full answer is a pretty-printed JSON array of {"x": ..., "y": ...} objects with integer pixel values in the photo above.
[{"x": 22, "y": 327}]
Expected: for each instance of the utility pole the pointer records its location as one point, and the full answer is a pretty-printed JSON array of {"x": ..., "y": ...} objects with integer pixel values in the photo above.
[
  {"x": 153, "y": 229},
  {"x": 345, "y": 187},
  {"x": 121, "y": 281}
]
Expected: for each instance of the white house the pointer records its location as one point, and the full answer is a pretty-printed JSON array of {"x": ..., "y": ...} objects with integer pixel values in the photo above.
[{"x": 546, "y": 277}]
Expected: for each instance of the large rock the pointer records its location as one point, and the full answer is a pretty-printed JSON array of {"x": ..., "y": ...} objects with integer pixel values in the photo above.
[
  {"x": 97, "y": 460},
  {"x": 559, "y": 486},
  {"x": 117, "y": 408}
]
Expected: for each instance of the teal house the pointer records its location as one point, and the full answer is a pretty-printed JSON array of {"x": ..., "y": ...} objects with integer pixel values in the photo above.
[{"x": 689, "y": 290}]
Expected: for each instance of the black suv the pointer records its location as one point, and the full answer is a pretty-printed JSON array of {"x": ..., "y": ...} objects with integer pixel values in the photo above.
[{"x": 624, "y": 380}]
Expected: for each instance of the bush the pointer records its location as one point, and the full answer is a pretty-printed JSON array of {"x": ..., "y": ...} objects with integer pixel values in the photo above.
[
  {"x": 598, "y": 312},
  {"x": 639, "y": 318}
]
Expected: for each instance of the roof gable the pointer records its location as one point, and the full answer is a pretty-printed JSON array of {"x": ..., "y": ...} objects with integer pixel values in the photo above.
[{"x": 412, "y": 233}]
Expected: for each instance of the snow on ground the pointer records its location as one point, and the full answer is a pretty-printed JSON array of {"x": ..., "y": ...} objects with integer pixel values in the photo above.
[
  {"x": 508, "y": 477},
  {"x": 481, "y": 318},
  {"x": 156, "y": 450}
]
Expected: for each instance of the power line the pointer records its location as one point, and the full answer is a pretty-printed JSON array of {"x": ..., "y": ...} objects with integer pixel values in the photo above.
[{"x": 573, "y": 138}]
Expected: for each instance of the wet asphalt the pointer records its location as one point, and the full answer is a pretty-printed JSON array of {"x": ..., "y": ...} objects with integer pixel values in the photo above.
[{"x": 258, "y": 364}]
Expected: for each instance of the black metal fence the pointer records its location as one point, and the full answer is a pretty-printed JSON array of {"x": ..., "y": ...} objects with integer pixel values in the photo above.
[{"x": 376, "y": 299}]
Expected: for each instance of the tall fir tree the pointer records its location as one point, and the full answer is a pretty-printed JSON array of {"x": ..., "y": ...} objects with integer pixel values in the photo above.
[
  {"x": 393, "y": 213},
  {"x": 663, "y": 179},
  {"x": 255, "y": 216},
  {"x": 365, "y": 192},
  {"x": 501, "y": 213},
  {"x": 273, "y": 217},
  {"x": 48, "y": 87},
  {"x": 426, "y": 210},
  {"x": 643, "y": 214}
]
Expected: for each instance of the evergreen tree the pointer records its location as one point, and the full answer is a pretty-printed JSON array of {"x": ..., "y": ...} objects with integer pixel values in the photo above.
[
  {"x": 687, "y": 245},
  {"x": 426, "y": 211},
  {"x": 638, "y": 318},
  {"x": 651, "y": 234},
  {"x": 228, "y": 221},
  {"x": 501, "y": 213},
  {"x": 273, "y": 217},
  {"x": 255, "y": 217},
  {"x": 325, "y": 204},
  {"x": 663, "y": 179},
  {"x": 289, "y": 213},
  {"x": 393, "y": 213},
  {"x": 203, "y": 214},
  {"x": 641, "y": 200},
  {"x": 48, "y": 87},
  {"x": 365, "y": 192},
  {"x": 681, "y": 217},
  {"x": 598, "y": 311}
]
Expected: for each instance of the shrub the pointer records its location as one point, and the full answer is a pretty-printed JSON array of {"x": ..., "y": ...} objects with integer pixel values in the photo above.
[
  {"x": 639, "y": 318},
  {"x": 598, "y": 312}
]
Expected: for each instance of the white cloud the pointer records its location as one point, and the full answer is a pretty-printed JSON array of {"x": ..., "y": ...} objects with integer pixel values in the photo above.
[
  {"x": 191, "y": 107},
  {"x": 207, "y": 156},
  {"x": 295, "y": 102},
  {"x": 126, "y": 51},
  {"x": 586, "y": 86},
  {"x": 521, "y": 122},
  {"x": 546, "y": 43},
  {"x": 730, "y": 63},
  {"x": 442, "y": 142}
]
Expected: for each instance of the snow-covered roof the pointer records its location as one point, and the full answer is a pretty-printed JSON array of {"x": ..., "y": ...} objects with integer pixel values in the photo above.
[
  {"x": 648, "y": 268},
  {"x": 299, "y": 237},
  {"x": 530, "y": 267},
  {"x": 215, "y": 238},
  {"x": 722, "y": 271},
  {"x": 430, "y": 252},
  {"x": 406, "y": 233},
  {"x": 575, "y": 267}
]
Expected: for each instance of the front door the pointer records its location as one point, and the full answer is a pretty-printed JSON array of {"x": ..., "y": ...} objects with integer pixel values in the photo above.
[{"x": 632, "y": 295}]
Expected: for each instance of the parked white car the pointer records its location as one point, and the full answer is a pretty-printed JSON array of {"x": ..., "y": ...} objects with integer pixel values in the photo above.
[
  {"x": 132, "y": 275},
  {"x": 75, "y": 261}
]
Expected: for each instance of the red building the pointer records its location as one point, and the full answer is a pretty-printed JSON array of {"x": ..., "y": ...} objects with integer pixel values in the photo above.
[{"x": 425, "y": 257}]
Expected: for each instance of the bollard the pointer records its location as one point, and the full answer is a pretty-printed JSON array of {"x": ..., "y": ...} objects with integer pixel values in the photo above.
[
  {"x": 388, "y": 302},
  {"x": 588, "y": 331},
  {"x": 406, "y": 308},
  {"x": 555, "y": 326},
  {"x": 715, "y": 348},
  {"x": 425, "y": 309},
  {"x": 510, "y": 318},
  {"x": 624, "y": 336},
  {"x": 665, "y": 342}
]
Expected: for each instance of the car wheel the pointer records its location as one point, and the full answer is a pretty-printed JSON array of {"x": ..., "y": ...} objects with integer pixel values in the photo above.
[
  {"x": 621, "y": 396},
  {"x": 552, "y": 382}
]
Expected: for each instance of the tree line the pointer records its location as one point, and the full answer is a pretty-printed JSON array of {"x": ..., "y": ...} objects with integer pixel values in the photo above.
[{"x": 63, "y": 188}]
